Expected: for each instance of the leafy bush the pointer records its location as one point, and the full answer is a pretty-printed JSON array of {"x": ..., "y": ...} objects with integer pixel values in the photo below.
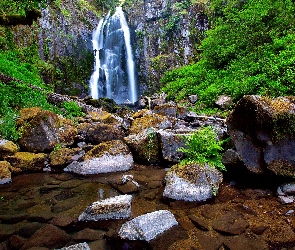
[
  {"x": 203, "y": 147},
  {"x": 249, "y": 50},
  {"x": 72, "y": 109}
]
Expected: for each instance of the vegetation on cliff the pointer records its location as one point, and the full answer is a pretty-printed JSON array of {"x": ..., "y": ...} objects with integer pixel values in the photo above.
[{"x": 248, "y": 50}]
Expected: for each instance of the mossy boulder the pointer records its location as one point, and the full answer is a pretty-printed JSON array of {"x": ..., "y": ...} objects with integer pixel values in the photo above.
[
  {"x": 5, "y": 174},
  {"x": 63, "y": 156},
  {"x": 28, "y": 162},
  {"x": 145, "y": 146},
  {"x": 263, "y": 133},
  {"x": 7, "y": 148},
  {"x": 111, "y": 156},
  {"x": 96, "y": 133},
  {"x": 42, "y": 130},
  {"x": 145, "y": 119},
  {"x": 192, "y": 182},
  {"x": 103, "y": 117}
]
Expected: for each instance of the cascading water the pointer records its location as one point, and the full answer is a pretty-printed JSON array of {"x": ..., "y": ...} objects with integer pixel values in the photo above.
[{"x": 114, "y": 69}]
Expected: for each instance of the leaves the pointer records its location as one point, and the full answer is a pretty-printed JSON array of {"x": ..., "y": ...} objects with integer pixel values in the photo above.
[{"x": 203, "y": 147}]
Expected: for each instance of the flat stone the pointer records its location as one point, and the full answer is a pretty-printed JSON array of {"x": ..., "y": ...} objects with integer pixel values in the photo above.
[
  {"x": 231, "y": 223},
  {"x": 48, "y": 236},
  {"x": 186, "y": 224},
  {"x": 245, "y": 241},
  {"x": 29, "y": 229},
  {"x": 258, "y": 230},
  {"x": 61, "y": 221},
  {"x": 118, "y": 207},
  {"x": 200, "y": 222},
  {"x": 88, "y": 234},
  {"x": 148, "y": 226},
  {"x": 208, "y": 242}
]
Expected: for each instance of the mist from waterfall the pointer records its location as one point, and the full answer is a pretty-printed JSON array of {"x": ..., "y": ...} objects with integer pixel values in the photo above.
[{"x": 114, "y": 69}]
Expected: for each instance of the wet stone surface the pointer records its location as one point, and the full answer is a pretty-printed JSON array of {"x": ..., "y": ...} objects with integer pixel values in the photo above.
[{"x": 41, "y": 210}]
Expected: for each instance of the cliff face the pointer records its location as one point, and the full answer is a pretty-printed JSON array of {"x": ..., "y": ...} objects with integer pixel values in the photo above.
[
  {"x": 166, "y": 35},
  {"x": 63, "y": 35}
]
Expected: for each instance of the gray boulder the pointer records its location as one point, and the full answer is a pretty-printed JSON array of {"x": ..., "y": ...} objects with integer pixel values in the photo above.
[
  {"x": 192, "y": 182},
  {"x": 112, "y": 156},
  {"x": 263, "y": 133},
  {"x": 118, "y": 207},
  {"x": 148, "y": 226}
]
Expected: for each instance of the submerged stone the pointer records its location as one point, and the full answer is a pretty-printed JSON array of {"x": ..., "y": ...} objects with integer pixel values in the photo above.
[
  {"x": 148, "y": 226},
  {"x": 118, "y": 207}
]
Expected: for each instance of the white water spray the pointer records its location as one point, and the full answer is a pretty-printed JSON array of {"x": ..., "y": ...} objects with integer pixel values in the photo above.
[{"x": 114, "y": 70}]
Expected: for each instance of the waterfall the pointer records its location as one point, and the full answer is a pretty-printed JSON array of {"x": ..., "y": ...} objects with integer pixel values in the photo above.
[{"x": 114, "y": 69}]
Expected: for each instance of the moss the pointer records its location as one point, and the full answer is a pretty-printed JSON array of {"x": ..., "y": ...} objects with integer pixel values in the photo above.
[
  {"x": 145, "y": 122},
  {"x": 188, "y": 172},
  {"x": 282, "y": 168},
  {"x": 111, "y": 147}
]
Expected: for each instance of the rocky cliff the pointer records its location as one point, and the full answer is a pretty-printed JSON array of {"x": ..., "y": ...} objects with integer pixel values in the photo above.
[{"x": 167, "y": 33}]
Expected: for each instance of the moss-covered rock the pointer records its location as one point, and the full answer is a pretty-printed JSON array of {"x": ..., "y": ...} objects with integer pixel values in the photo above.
[
  {"x": 7, "y": 148},
  {"x": 63, "y": 156},
  {"x": 111, "y": 156},
  {"x": 192, "y": 182},
  {"x": 28, "y": 162},
  {"x": 96, "y": 133},
  {"x": 263, "y": 133},
  {"x": 42, "y": 130},
  {"x": 5, "y": 174},
  {"x": 145, "y": 119},
  {"x": 145, "y": 146}
]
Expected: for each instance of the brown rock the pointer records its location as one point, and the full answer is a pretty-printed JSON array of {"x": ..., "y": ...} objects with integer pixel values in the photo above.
[
  {"x": 48, "y": 236},
  {"x": 245, "y": 241},
  {"x": 7, "y": 148},
  {"x": 61, "y": 221},
  {"x": 64, "y": 156},
  {"x": 98, "y": 132},
  {"x": 147, "y": 120},
  {"x": 186, "y": 224},
  {"x": 200, "y": 222},
  {"x": 5, "y": 174},
  {"x": 208, "y": 242},
  {"x": 88, "y": 234},
  {"x": 42, "y": 130},
  {"x": 259, "y": 229},
  {"x": 230, "y": 223},
  {"x": 15, "y": 242},
  {"x": 27, "y": 161}
]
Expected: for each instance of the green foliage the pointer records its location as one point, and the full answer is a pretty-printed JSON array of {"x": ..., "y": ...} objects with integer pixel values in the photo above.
[
  {"x": 249, "y": 50},
  {"x": 20, "y": 6},
  {"x": 72, "y": 109},
  {"x": 203, "y": 147}
]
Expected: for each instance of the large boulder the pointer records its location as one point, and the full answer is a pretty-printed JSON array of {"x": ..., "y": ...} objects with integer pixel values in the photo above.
[
  {"x": 263, "y": 133},
  {"x": 145, "y": 146},
  {"x": 111, "y": 156},
  {"x": 96, "y": 133},
  {"x": 28, "y": 162},
  {"x": 7, "y": 148},
  {"x": 192, "y": 182},
  {"x": 42, "y": 130}
]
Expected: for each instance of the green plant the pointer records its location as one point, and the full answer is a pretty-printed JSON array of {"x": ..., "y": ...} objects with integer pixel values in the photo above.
[
  {"x": 203, "y": 147},
  {"x": 72, "y": 109}
]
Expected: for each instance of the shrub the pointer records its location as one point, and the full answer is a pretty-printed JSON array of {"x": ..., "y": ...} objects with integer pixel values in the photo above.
[
  {"x": 203, "y": 147},
  {"x": 72, "y": 109}
]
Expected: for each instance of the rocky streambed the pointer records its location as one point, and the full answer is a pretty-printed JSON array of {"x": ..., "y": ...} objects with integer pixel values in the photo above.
[
  {"x": 41, "y": 210},
  {"x": 112, "y": 180}
]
